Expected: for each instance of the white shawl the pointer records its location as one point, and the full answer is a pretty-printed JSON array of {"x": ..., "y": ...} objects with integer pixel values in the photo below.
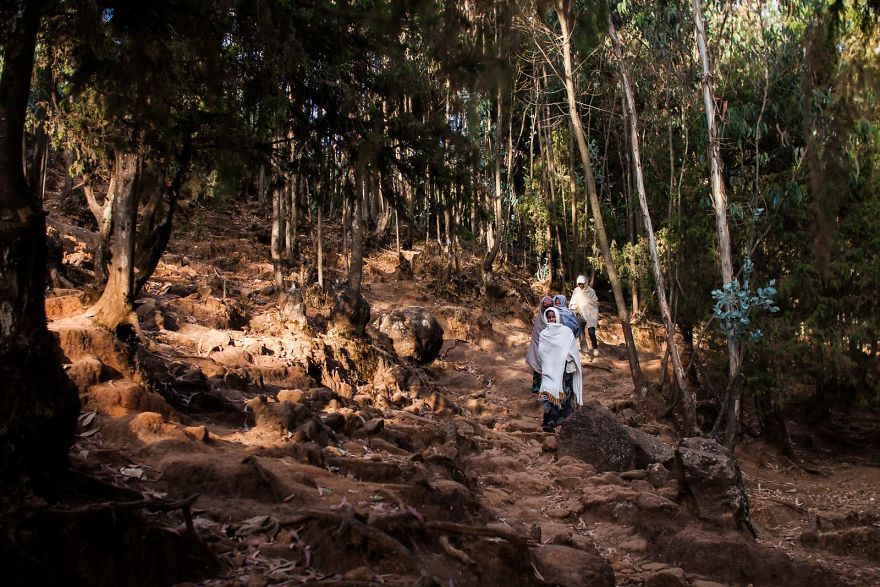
[
  {"x": 556, "y": 344},
  {"x": 532, "y": 358},
  {"x": 584, "y": 302}
]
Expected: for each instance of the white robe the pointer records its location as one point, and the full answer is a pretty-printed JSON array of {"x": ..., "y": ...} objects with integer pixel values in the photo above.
[
  {"x": 585, "y": 303},
  {"x": 532, "y": 358},
  {"x": 555, "y": 346}
]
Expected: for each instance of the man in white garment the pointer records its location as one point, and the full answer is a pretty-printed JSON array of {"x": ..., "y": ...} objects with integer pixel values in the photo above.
[{"x": 585, "y": 306}]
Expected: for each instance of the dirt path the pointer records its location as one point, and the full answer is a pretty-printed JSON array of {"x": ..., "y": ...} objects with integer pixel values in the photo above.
[
  {"x": 830, "y": 517},
  {"x": 378, "y": 473}
]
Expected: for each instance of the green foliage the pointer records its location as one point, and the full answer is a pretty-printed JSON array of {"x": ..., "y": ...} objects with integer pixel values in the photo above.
[{"x": 735, "y": 302}]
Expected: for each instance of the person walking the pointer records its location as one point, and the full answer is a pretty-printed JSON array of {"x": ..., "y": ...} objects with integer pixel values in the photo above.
[
  {"x": 532, "y": 358},
  {"x": 561, "y": 371},
  {"x": 566, "y": 315},
  {"x": 585, "y": 306}
]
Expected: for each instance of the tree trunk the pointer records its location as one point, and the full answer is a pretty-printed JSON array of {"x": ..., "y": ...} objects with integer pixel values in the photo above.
[
  {"x": 563, "y": 11},
  {"x": 278, "y": 229},
  {"x": 356, "y": 271},
  {"x": 719, "y": 199},
  {"x": 116, "y": 303},
  {"x": 351, "y": 312},
  {"x": 103, "y": 213},
  {"x": 39, "y": 161},
  {"x": 320, "y": 250},
  {"x": 152, "y": 243},
  {"x": 40, "y": 405},
  {"x": 292, "y": 219},
  {"x": 629, "y": 102}
]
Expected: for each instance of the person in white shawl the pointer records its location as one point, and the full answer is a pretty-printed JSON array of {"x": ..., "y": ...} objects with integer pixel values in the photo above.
[
  {"x": 585, "y": 306},
  {"x": 532, "y": 358},
  {"x": 561, "y": 372}
]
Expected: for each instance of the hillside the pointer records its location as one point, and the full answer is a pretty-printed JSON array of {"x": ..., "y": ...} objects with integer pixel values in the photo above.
[{"x": 379, "y": 471}]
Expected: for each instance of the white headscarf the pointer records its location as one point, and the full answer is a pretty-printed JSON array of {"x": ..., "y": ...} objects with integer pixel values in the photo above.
[
  {"x": 555, "y": 346},
  {"x": 584, "y": 302}
]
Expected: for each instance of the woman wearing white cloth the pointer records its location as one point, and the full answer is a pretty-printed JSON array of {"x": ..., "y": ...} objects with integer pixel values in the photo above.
[
  {"x": 561, "y": 373},
  {"x": 585, "y": 306}
]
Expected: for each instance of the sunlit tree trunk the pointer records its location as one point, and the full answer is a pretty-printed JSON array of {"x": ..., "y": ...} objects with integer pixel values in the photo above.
[
  {"x": 39, "y": 403},
  {"x": 629, "y": 102},
  {"x": 719, "y": 199},
  {"x": 116, "y": 302},
  {"x": 563, "y": 11},
  {"x": 277, "y": 240}
]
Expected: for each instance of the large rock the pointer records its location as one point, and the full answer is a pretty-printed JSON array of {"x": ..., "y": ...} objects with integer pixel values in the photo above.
[
  {"x": 650, "y": 449},
  {"x": 468, "y": 324},
  {"x": 594, "y": 435},
  {"x": 712, "y": 475},
  {"x": 414, "y": 332},
  {"x": 569, "y": 567}
]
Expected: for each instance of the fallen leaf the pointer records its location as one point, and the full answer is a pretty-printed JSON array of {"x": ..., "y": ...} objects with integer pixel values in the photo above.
[
  {"x": 88, "y": 433},
  {"x": 133, "y": 472},
  {"x": 86, "y": 418},
  {"x": 258, "y": 525},
  {"x": 538, "y": 573}
]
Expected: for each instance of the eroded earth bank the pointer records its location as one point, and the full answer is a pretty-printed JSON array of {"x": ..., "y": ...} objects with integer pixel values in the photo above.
[{"x": 261, "y": 451}]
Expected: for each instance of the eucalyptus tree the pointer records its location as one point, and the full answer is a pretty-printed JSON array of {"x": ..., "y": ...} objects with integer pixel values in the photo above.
[
  {"x": 565, "y": 12},
  {"x": 663, "y": 301}
]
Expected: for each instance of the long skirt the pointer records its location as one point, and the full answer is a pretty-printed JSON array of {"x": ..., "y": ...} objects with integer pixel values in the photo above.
[
  {"x": 555, "y": 414},
  {"x": 536, "y": 382}
]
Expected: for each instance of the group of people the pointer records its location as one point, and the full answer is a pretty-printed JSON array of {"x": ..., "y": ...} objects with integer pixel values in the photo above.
[{"x": 554, "y": 353}]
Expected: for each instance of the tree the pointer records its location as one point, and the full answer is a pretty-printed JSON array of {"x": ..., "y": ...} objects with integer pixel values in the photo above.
[
  {"x": 40, "y": 404},
  {"x": 665, "y": 312},
  {"x": 566, "y": 19},
  {"x": 732, "y": 402}
]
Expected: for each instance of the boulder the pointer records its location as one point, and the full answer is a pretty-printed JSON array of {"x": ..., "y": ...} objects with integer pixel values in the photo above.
[
  {"x": 712, "y": 475},
  {"x": 649, "y": 449},
  {"x": 570, "y": 567},
  {"x": 468, "y": 324},
  {"x": 414, "y": 332},
  {"x": 594, "y": 435},
  {"x": 657, "y": 475}
]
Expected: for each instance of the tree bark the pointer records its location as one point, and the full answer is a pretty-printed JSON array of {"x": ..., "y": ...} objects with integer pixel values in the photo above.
[
  {"x": 629, "y": 102},
  {"x": 151, "y": 244},
  {"x": 351, "y": 312},
  {"x": 102, "y": 212},
  {"x": 356, "y": 271},
  {"x": 563, "y": 11},
  {"x": 320, "y": 250},
  {"x": 116, "y": 302},
  {"x": 40, "y": 405},
  {"x": 719, "y": 199},
  {"x": 276, "y": 244}
]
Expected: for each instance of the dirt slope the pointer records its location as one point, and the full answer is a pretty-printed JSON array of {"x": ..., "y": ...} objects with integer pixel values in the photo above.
[{"x": 383, "y": 473}]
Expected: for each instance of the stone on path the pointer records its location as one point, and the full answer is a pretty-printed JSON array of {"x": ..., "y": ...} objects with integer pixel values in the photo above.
[
  {"x": 594, "y": 435},
  {"x": 712, "y": 475},
  {"x": 414, "y": 332}
]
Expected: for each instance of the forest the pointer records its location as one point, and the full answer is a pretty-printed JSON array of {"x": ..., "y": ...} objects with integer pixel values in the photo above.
[{"x": 260, "y": 257}]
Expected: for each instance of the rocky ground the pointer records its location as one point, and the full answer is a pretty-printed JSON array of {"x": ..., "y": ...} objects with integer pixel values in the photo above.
[{"x": 300, "y": 457}]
